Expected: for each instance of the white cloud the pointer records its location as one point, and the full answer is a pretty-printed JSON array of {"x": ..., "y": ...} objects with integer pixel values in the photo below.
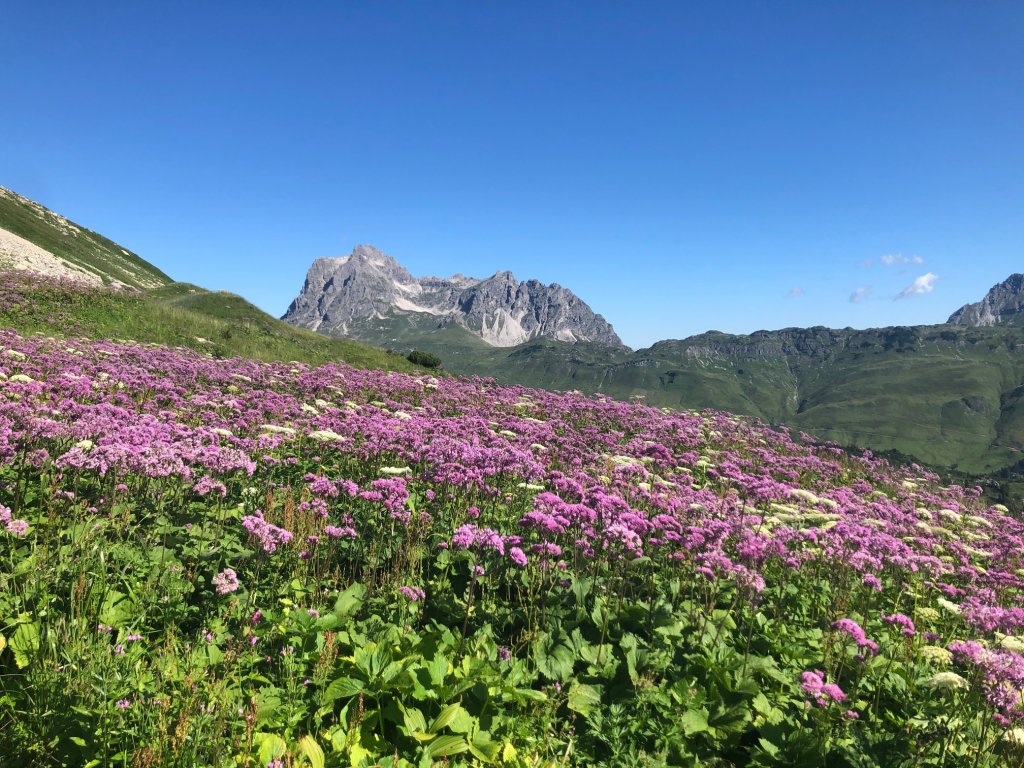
[
  {"x": 860, "y": 294},
  {"x": 924, "y": 284},
  {"x": 898, "y": 258},
  {"x": 795, "y": 293}
]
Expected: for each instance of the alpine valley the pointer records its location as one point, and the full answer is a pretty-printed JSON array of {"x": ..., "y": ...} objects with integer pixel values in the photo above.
[
  {"x": 229, "y": 542},
  {"x": 948, "y": 395}
]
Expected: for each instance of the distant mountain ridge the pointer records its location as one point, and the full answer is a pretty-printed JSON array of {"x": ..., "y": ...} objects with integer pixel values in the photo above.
[
  {"x": 1002, "y": 305},
  {"x": 948, "y": 394},
  {"x": 367, "y": 294}
]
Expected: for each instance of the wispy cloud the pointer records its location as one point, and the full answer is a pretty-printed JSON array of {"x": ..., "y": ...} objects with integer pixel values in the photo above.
[
  {"x": 924, "y": 284},
  {"x": 795, "y": 293},
  {"x": 860, "y": 294},
  {"x": 898, "y": 258}
]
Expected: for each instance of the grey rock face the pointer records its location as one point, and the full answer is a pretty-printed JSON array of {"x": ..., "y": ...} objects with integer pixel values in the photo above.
[
  {"x": 343, "y": 296},
  {"x": 1002, "y": 305}
]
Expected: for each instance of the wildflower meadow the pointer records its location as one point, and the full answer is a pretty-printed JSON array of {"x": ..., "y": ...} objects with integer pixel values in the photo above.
[{"x": 223, "y": 562}]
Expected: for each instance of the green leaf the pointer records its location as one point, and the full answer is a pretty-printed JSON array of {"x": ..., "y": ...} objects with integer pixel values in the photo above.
[
  {"x": 117, "y": 609},
  {"x": 271, "y": 747},
  {"x": 214, "y": 655},
  {"x": 268, "y": 702},
  {"x": 448, "y": 714},
  {"x": 312, "y": 751},
  {"x": 342, "y": 688},
  {"x": 768, "y": 747},
  {"x": 414, "y": 720},
  {"x": 528, "y": 694},
  {"x": 350, "y": 600},
  {"x": 25, "y": 643},
  {"x": 463, "y": 722},
  {"x": 694, "y": 721},
  {"x": 482, "y": 748},
  {"x": 554, "y": 659},
  {"x": 438, "y": 668},
  {"x": 761, "y": 704},
  {"x": 628, "y": 643},
  {"x": 584, "y": 698},
  {"x": 447, "y": 745}
]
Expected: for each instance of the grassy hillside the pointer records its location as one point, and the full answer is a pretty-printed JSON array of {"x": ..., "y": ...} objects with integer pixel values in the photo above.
[
  {"x": 86, "y": 249},
  {"x": 178, "y": 314}
]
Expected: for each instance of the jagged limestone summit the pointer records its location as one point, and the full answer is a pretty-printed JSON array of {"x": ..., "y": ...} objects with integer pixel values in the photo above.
[
  {"x": 369, "y": 296},
  {"x": 1002, "y": 305}
]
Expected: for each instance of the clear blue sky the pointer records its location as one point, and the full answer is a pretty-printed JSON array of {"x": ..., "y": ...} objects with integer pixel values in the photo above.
[{"x": 681, "y": 166}]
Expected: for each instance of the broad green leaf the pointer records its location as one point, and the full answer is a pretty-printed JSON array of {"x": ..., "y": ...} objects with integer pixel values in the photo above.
[
  {"x": 117, "y": 609},
  {"x": 447, "y": 745},
  {"x": 555, "y": 660},
  {"x": 694, "y": 721},
  {"x": 214, "y": 655},
  {"x": 629, "y": 650},
  {"x": 350, "y": 600},
  {"x": 414, "y": 720},
  {"x": 271, "y": 747},
  {"x": 438, "y": 668},
  {"x": 482, "y": 748},
  {"x": 761, "y": 704},
  {"x": 342, "y": 688},
  {"x": 357, "y": 754},
  {"x": 463, "y": 722},
  {"x": 584, "y": 698},
  {"x": 528, "y": 694},
  {"x": 312, "y": 751},
  {"x": 25, "y": 643},
  {"x": 268, "y": 702},
  {"x": 445, "y": 718}
]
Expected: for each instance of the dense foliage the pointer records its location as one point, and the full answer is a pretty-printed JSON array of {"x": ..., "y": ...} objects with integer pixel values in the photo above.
[
  {"x": 230, "y": 563},
  {"x": 425, "y": 359}
]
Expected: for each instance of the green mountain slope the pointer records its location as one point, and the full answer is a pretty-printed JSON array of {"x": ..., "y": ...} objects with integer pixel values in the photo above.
[
  {"x": 950, "y": 396},
  {"x": 114, "y": 293},
  {"x": 89, "y": 252},
  {"x": 178, "y": 314}
]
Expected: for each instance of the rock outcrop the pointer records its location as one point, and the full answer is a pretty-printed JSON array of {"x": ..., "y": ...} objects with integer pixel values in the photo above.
[
  {"x": 344, "y": 296},
  {"x": 1002, "y": 305}
]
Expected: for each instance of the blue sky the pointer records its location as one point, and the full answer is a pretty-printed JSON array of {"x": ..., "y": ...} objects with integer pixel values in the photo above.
[{"x": 680, "y": 166}]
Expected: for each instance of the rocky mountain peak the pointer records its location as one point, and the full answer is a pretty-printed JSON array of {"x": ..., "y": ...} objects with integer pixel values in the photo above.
[
  {"x": 359, "y": 294},
  {"x": 1002, "y": 305}
]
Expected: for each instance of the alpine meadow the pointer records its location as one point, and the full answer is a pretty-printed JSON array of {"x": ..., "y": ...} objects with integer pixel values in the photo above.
[{"x": 513, "y": 384}]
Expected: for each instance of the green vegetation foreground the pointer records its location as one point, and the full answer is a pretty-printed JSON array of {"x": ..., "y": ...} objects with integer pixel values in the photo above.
[{"x": 211, "y": 562}]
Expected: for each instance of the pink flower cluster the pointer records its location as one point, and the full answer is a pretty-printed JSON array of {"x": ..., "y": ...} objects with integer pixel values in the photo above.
[
  {"x": 226, "y": 581},
  {"x": 12, "y": 525},
  {"x": 856, "y": 633},
  {"x": 821, "y": 693},
  {"x": 266, "y": 535}
]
